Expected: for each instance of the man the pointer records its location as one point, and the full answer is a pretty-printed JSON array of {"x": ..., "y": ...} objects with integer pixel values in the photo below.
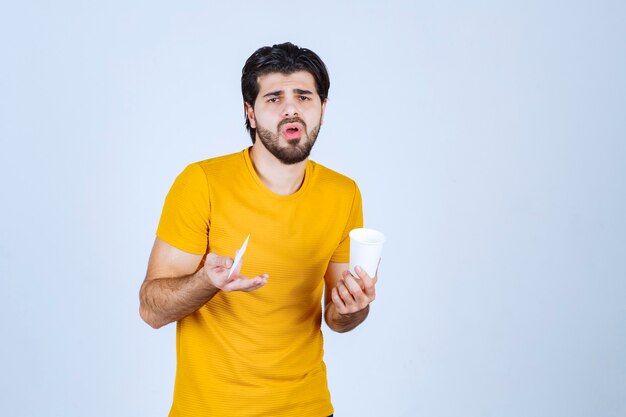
[{"x": 253, "y": 346}]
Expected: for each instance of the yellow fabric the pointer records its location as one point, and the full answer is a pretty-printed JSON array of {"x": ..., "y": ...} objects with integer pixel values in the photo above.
[{"x": 258, "y": 353}]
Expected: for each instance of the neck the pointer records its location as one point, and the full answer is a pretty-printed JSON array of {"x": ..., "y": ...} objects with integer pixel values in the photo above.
[{"x": 280, "y": 178}]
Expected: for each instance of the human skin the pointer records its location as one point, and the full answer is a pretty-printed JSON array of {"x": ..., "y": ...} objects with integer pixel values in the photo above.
[
  {"x": 177, "y": 283},
  {"x": 281, "y": 97}
]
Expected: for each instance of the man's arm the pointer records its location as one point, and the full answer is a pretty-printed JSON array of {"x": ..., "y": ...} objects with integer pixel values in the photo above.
[
  {"x": 176, "y": 284},
  {"x": 347, "y": 299}
]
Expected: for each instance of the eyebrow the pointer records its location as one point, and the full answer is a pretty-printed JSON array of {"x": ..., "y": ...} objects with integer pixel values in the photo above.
[
  {"x": 278, "y": 93},
  {"x": 274, "y": 93}
]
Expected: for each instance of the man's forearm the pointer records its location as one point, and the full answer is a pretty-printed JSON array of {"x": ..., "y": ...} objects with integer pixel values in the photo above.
[
  {"x": 343, "y": 322},
  {"x": 165, "y": 300}
]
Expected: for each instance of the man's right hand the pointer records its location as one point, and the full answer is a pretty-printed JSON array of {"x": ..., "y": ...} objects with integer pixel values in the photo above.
[
  {"x": 216, "y": 269},
  {"x": 176, "y": 285}
]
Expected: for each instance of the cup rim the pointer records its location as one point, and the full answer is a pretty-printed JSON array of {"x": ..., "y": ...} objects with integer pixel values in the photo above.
[{"x": 381, "y": 235}]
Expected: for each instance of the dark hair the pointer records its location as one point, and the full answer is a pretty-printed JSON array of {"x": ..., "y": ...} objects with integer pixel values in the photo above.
[{"x": 285, "y": 58}]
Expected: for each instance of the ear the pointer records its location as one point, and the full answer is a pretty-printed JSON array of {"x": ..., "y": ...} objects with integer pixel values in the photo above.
[
  {"x": 323, "y": 110},
  {"x": 250, "y": 115}
]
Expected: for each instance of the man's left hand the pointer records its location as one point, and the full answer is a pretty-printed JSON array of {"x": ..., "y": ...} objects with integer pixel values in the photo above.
[{"x": 353, "y": 294}]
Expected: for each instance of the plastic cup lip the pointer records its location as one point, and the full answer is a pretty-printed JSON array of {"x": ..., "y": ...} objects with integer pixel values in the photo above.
[{"x": 356, "y": 234}]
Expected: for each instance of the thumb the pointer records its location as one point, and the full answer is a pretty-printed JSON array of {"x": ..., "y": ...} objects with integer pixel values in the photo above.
[{"x": 213, "y": 260}]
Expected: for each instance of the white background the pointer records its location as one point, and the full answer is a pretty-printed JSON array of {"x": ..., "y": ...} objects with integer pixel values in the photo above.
[{"x": 489, "y": 142}]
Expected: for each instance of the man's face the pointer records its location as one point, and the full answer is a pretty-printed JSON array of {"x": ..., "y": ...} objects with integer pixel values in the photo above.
[{"x": 287, "y": 115}]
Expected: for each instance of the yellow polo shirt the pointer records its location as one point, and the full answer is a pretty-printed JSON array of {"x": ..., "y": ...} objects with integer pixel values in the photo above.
[{"x": 258, "y": 353}]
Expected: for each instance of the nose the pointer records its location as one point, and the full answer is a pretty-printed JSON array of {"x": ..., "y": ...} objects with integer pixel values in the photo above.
[{"x": 290, "y": 109}]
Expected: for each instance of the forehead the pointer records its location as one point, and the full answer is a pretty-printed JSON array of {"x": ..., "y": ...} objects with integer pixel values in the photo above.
[{"x": 275, "y": 81}]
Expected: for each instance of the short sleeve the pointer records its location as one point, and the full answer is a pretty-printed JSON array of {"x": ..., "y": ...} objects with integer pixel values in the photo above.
[
  {"x": 186, "y": 213},
  {"x": 354, "y": 221}
]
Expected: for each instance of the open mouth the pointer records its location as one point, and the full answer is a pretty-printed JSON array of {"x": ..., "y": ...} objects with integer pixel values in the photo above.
[{"x": 292, "y": 131}]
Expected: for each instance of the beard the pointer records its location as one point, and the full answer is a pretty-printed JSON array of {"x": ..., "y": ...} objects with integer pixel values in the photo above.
[{"x": 296, "y": 150}]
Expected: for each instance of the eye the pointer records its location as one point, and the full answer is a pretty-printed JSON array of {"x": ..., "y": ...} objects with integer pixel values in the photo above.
[
  {"x": 305, "y": 98},
  {"x": 273, "y": 100}
]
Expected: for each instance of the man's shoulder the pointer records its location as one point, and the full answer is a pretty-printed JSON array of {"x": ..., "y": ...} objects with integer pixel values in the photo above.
[
  {"x": 329, "y": 176},
  {"x": 217, "y": 169},
  {"x": 221, "y": 162}
]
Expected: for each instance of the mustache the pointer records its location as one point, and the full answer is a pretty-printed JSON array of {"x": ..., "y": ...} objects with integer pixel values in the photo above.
[{"x": 292, "y": 120}]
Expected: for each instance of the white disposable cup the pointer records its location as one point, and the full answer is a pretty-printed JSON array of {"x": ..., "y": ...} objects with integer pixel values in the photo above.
[{"x": 366, "y": 245}]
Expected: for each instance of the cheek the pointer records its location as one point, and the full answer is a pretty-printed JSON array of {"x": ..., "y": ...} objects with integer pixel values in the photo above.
[
  {"x": 264, "y": 119},
  {"x": 315, "y": 118}
]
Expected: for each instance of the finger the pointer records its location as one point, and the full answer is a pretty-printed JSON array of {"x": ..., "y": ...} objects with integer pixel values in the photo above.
[
  {"x": 213, "y": 260},
  {"x": 367, "y": 280},
  {"x": 237, "y": 270},
  {"x": 359, "y": 281},
  {"x": 345, "y": 295},
  {"x": 352, "y": 285},
  {"x": 253, "y": 287},
  {"x": 369, "y": 284},
  {"x": 251, "y": 284},
  {"x": 348, "y": 272},
  {"x": 339, "y": 304},
  {"x": 361, "y": 299},
  {"x": 242, "y": 283}
]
